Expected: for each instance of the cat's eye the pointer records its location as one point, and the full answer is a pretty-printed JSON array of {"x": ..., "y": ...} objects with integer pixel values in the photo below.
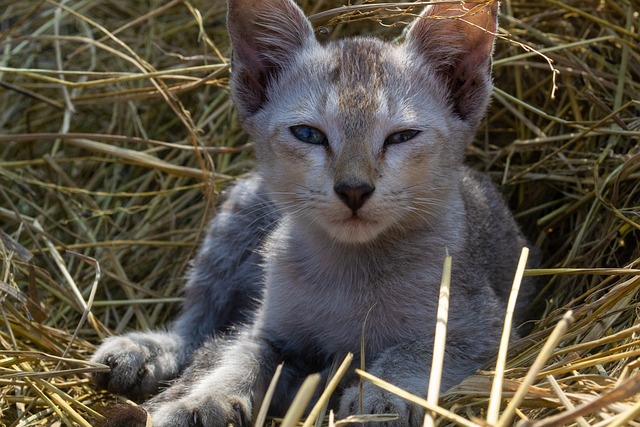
[
  {"x": 309, "y": 134},
  {"x": 400, "y": 137}
]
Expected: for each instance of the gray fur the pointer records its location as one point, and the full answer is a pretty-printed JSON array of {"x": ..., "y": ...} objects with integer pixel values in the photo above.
[
  {"x": 228, "y": 258},
  {"x": 296, "y": 270}
]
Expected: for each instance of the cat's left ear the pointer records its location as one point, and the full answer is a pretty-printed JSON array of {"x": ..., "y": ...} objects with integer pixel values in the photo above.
[
  {"x": 265, "y": 37},
  {"x": 456, "y": 40}
]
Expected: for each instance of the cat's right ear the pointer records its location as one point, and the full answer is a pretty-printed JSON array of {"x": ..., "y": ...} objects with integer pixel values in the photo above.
[{"x": 265, "y": 36}]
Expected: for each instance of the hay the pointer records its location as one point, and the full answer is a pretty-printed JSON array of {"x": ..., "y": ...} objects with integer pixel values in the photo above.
[{"x": 118, "y": 132}]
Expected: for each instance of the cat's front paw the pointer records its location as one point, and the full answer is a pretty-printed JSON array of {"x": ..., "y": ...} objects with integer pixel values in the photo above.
[
  {"x": 204, "y": 410},
  {"x": 139, "y": 362},
  {"x": 377, "y": 401}
]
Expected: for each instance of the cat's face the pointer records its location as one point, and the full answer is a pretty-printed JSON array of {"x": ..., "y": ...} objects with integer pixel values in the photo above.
[
  {"x": 354, "y": 140},
  {"x": 356, "y": 137}
]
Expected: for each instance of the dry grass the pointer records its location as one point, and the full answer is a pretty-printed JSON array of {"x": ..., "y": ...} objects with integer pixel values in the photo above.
[{"x": 117, "y": 133}]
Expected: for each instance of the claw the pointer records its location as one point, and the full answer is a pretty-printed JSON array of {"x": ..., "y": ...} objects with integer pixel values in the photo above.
[
  {"x": 196, "y": 420},
  {"x": 141, "y": 373},
  {"x": 239, "y": 414}
]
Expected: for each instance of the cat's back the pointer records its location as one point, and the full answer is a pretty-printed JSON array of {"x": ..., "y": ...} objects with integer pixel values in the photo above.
[{"x": 495, "y": 241}]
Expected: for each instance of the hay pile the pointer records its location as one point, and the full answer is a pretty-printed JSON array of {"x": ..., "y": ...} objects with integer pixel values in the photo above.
[{"x": 117, "y": 133}]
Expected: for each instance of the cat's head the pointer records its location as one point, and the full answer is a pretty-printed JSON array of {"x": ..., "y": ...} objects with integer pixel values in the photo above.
[{"x": 360, "y": 136}]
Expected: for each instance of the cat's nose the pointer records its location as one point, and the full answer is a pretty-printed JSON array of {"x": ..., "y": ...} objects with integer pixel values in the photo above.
[{"x": 353, "y": 196}]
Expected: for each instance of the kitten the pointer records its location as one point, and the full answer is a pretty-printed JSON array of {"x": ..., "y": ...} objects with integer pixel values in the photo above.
[{"x": 360, "y": 191}]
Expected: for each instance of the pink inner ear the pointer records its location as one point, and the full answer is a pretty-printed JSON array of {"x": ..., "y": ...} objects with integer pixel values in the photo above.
[
  {"x": 245, "y": 53},
  {"x": 476, "y": 57},
  {"x": 445, "y": 31},
  {"x": 457, "y": 43}
]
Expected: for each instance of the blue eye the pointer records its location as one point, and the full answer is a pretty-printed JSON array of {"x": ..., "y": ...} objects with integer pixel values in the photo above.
[
  {"x": 309, "y": 134},
  {"x": 400, "y": 137}
]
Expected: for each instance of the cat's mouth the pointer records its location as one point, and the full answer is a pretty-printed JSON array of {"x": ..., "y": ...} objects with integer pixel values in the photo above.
[
  {"x": 357, "y": 219},
  {"x": 356, "y": 229}
]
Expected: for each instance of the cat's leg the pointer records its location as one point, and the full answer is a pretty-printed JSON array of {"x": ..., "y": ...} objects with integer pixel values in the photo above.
[
  {"x": 204, "y": 360},
  {"x": 226, "y": 394},
  {"x": 224, "y": 385},
  {"x": 407, "y": 366},
  {"x": 224, "y": 289},
  {"x": 139, "y": 362},
  {"x": 136, "y": 416}
]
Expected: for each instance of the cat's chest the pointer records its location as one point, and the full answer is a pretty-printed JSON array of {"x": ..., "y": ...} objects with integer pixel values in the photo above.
[{"x": 333, "y": 311}]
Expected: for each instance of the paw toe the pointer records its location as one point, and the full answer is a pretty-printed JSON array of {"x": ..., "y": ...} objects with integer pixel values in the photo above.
[
  {"x": 377, "y": 402},
  {"x": 203, "y": 411},
  {"x": 129, "y": 373}
]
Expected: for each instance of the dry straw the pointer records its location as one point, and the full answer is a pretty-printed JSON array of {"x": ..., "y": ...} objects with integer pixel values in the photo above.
[{"x": 117, "y": 133}]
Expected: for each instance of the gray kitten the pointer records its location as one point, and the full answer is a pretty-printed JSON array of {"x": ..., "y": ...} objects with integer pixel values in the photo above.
[{"x": 360, "y": 190}]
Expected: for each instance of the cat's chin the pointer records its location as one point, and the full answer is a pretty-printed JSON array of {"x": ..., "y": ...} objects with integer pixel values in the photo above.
[{"x": 355, "y": 230}]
